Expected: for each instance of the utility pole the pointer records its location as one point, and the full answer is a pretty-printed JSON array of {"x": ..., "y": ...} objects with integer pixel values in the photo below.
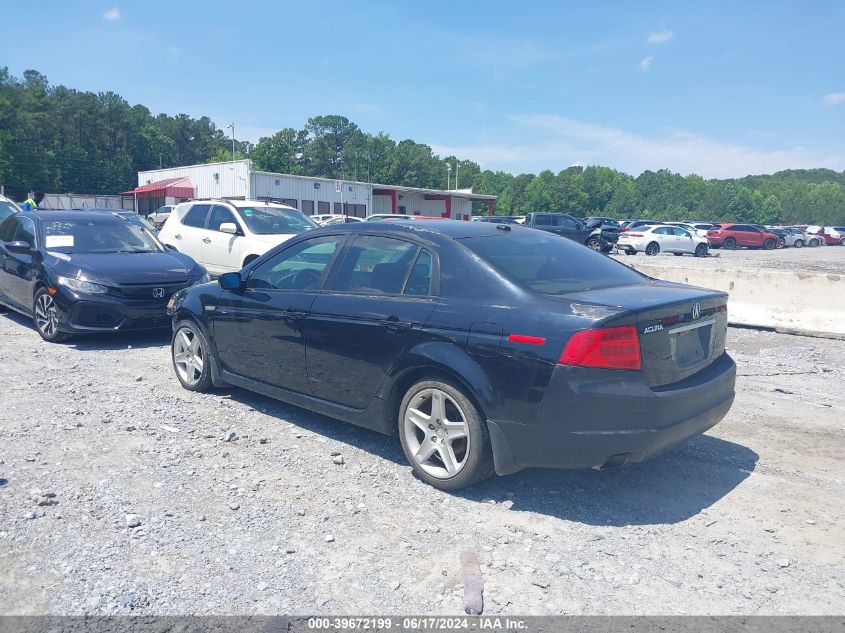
[
  {"x": 232, "y": 125},
  {"x": 448, "y": 175}
]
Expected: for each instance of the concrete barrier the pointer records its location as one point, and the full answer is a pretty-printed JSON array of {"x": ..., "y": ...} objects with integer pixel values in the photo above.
[{"x": 788, "y": 301}]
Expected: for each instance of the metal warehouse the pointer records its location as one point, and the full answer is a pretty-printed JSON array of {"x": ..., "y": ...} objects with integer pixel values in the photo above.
[{"x": 235, "y": 179}]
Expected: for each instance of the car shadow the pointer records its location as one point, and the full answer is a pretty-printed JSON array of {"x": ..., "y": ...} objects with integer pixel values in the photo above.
[
  {"x": 667, "y": 489},
  {"x": 670, "y": 488},
  {"x": 101, "y": 341}
]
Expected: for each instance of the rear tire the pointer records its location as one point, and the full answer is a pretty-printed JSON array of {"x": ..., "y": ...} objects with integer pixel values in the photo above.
[
  {"x": 701, "y": 250},
  {"x": 191, "y": 358},
  {"x": 594, "y": 244},
  {"x": 45, "y": 317},
  {"x": 729, "y": 243},
  {"x": 798, "y": 244},
  {"x": 431, "y": 410},
  {"x": 769, "y": 244},
  {"x": 652, "y": 249},
  {"x": 629, "y": 252},
  {"x": 842, "y": 242}
]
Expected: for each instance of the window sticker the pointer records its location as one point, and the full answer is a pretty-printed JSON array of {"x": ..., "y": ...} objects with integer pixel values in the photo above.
[
  {"x": 58, "y": 241},
  {"x": 248, "y": 211}
]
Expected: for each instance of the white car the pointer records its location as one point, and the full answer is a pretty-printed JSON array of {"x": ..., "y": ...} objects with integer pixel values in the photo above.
[
  {"x": 662, "y": 237},
  {"x": 698, "y": 229},
  {"x": 342, "y": 219},
  {"x": 7, "y": 208},
  {"x": 225, "y": 235},
  {"x": 322, "y": 218},
  {"x": 160, "y": 215},
  {"x": 375, "y": 217}
]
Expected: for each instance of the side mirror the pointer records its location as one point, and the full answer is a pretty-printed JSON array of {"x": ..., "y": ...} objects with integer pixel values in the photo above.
[
  {"x": 231, "y": 281},
  {"x": 170, "y": 247},
  {"x": 229, "y": 227},
  {"x": 19, "y": 247}
]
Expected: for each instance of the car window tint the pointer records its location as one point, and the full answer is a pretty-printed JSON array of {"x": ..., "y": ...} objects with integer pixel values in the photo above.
[
  {"x": 26, "y": 231},
  {"x": 562, "y": 220},
  {"x": 662, "y": 230},
  {"x": 8, "y": 229},
  {"x": 196, "y": 216},
  {"x": 549, "y": 265},
  {"x": 6, "y": 209},
  {"x": 419, "y": 281},
  {"x": 376, "y": 264},
  {"x": 542, "y": 220},
  {"x": 220, "y": 215},
  {"x": 299, "y": 267}
]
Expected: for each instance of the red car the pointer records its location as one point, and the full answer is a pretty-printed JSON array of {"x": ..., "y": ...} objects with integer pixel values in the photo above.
[{"x": 730, "y": 235}]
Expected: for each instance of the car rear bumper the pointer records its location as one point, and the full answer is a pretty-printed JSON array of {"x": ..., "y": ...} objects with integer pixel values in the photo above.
[{"x": 599, "y": 419}]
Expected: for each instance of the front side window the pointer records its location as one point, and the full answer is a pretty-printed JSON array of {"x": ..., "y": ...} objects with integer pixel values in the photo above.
[
  {"x": 565, "y": 222},
  {"x": 97, "y": 236},
  {"x": 300, "y": 267},
  {"x": 6, "y": 209},
  {"x": 680, "y": 232},
  {"x": 196, "y": 216},
  {"x": 26, "y": 232},
  {"x": 378, "y": 265},
  {"x": 220, "y": 215},
  {"x": 8, "y": 229},
  {"x": 274, "y": 220},
  {"x": 662, "y": 230}
]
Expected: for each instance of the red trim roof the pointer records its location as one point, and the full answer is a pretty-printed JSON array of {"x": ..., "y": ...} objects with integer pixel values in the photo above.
[{"x": 173, "y": 187}]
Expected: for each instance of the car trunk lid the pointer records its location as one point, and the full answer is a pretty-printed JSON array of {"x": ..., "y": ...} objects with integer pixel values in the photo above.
[{"x": 681, "y": 328}]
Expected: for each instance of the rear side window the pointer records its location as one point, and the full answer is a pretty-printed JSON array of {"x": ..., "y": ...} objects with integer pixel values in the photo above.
[
  {"x": 196, "y": 216},
  {"x": 379, "y": 265},
  {"x": 550, "y": 265},
  {"x": 419, "y": 281},
  {"x": 543, "y": 220}
]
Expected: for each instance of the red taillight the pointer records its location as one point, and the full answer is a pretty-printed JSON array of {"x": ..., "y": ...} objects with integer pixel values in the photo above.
[
  {"x": 524, "y": 338},
  {"x": 611, "y": 348},
  {"x": 635, "y": 234}
]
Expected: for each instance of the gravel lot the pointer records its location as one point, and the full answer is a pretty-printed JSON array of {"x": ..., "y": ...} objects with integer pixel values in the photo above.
[
  {"x": 822, "y": 259},
  {"x": 122, "y": 493}
]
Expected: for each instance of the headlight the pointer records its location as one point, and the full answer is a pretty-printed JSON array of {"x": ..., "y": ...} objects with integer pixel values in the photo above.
[
  {"x": 82, "y": 286},
  {"x": 203, "y": 280}
]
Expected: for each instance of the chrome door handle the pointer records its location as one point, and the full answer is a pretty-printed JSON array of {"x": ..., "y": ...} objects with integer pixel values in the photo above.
[
  {"x": 206, "y": 240},
  {"x": 393, "y": 324}
]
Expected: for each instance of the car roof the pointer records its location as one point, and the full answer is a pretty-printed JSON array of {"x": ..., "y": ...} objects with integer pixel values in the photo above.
[
  {"x": 455, "y": 229},
  {"x": 87, "y": 214}
]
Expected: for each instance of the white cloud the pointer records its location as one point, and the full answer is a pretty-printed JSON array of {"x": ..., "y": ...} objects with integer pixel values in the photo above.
[
  {"x": 645, "y": 64},
  {"x": 558, "y": 142},
  {"x": 112, "y": 14},
  {"x": 660, "y": 37},
  {"x": 834, "y": 99}
]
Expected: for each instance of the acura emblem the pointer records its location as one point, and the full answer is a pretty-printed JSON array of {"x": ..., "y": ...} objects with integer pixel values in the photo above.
[
  {"x": 696, "y": 311},
  {"x": 158, "y": 293}
]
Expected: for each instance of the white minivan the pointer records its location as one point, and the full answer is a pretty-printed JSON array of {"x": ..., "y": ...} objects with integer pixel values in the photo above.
[{"x": 225, "y": 235}]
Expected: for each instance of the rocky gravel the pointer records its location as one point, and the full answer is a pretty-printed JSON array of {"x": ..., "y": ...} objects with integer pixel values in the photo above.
[{"x": 121, "y": 493}]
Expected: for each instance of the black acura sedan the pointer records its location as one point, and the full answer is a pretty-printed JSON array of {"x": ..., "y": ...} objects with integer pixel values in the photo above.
[
  {"x": 484, "y": 347},
  {"x": 77, "y": 271}
]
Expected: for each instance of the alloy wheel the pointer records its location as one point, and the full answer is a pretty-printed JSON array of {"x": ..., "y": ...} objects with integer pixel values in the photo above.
[
  {"x": 45, "y": 315},
  {"x": 701, "y": 250},
  {"x": 436, "y": 433},
  {"x": 188, "y": 356}
]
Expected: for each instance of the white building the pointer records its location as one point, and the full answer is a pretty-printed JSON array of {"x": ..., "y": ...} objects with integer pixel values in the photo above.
[{"x": 237, "y": 179}]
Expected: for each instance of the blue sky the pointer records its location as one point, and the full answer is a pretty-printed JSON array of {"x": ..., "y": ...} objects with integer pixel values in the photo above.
[{"x": 720, "y": 89}]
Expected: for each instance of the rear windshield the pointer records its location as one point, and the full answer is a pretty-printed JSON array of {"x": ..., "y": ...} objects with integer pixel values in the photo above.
[
  {"x": 271, "y": 220},
  {"x": 97, "y": 236},
  {"x": 549, "y": 264}
]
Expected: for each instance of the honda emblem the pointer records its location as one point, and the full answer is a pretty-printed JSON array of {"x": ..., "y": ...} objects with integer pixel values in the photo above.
[{"x": 158, "y": 293}]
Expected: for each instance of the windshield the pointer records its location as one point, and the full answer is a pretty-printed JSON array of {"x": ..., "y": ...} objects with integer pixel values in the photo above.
[
  {"x": 270, "y": 220},
  {"x": 6, "y": 209},
  {"x": 97, "y": 236},
  {"x": 550, "y": 265}
]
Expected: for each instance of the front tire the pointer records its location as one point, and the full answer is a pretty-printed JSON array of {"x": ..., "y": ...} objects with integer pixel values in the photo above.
[
  {"x": 443, "y": 435},
  {"x": 45, "y": 316},
  {"x": 701, "y": 250},
  {"x": 652, "y": 249},
  {"x": 798, "y": 244},
  {"x": 769, "y": 244},
  {"x": 594, "y": 244},
  {"x": 191, "y": 358}
]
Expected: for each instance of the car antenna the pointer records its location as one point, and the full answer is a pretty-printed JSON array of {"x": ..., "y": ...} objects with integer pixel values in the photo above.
[{"x": 503, "y": 227}]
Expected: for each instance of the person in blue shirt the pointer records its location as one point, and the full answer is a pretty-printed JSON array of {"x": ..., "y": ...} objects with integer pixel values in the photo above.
[{"x": 31, "y": 204}]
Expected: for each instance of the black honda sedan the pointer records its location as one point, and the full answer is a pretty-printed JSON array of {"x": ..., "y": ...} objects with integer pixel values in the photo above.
[
  {"x": 78, "y": 271},
  {"x": 484, "y": 347}
]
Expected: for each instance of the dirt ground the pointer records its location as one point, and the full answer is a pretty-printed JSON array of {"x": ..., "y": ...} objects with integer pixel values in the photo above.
[{"x": 122, "y": 493}]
